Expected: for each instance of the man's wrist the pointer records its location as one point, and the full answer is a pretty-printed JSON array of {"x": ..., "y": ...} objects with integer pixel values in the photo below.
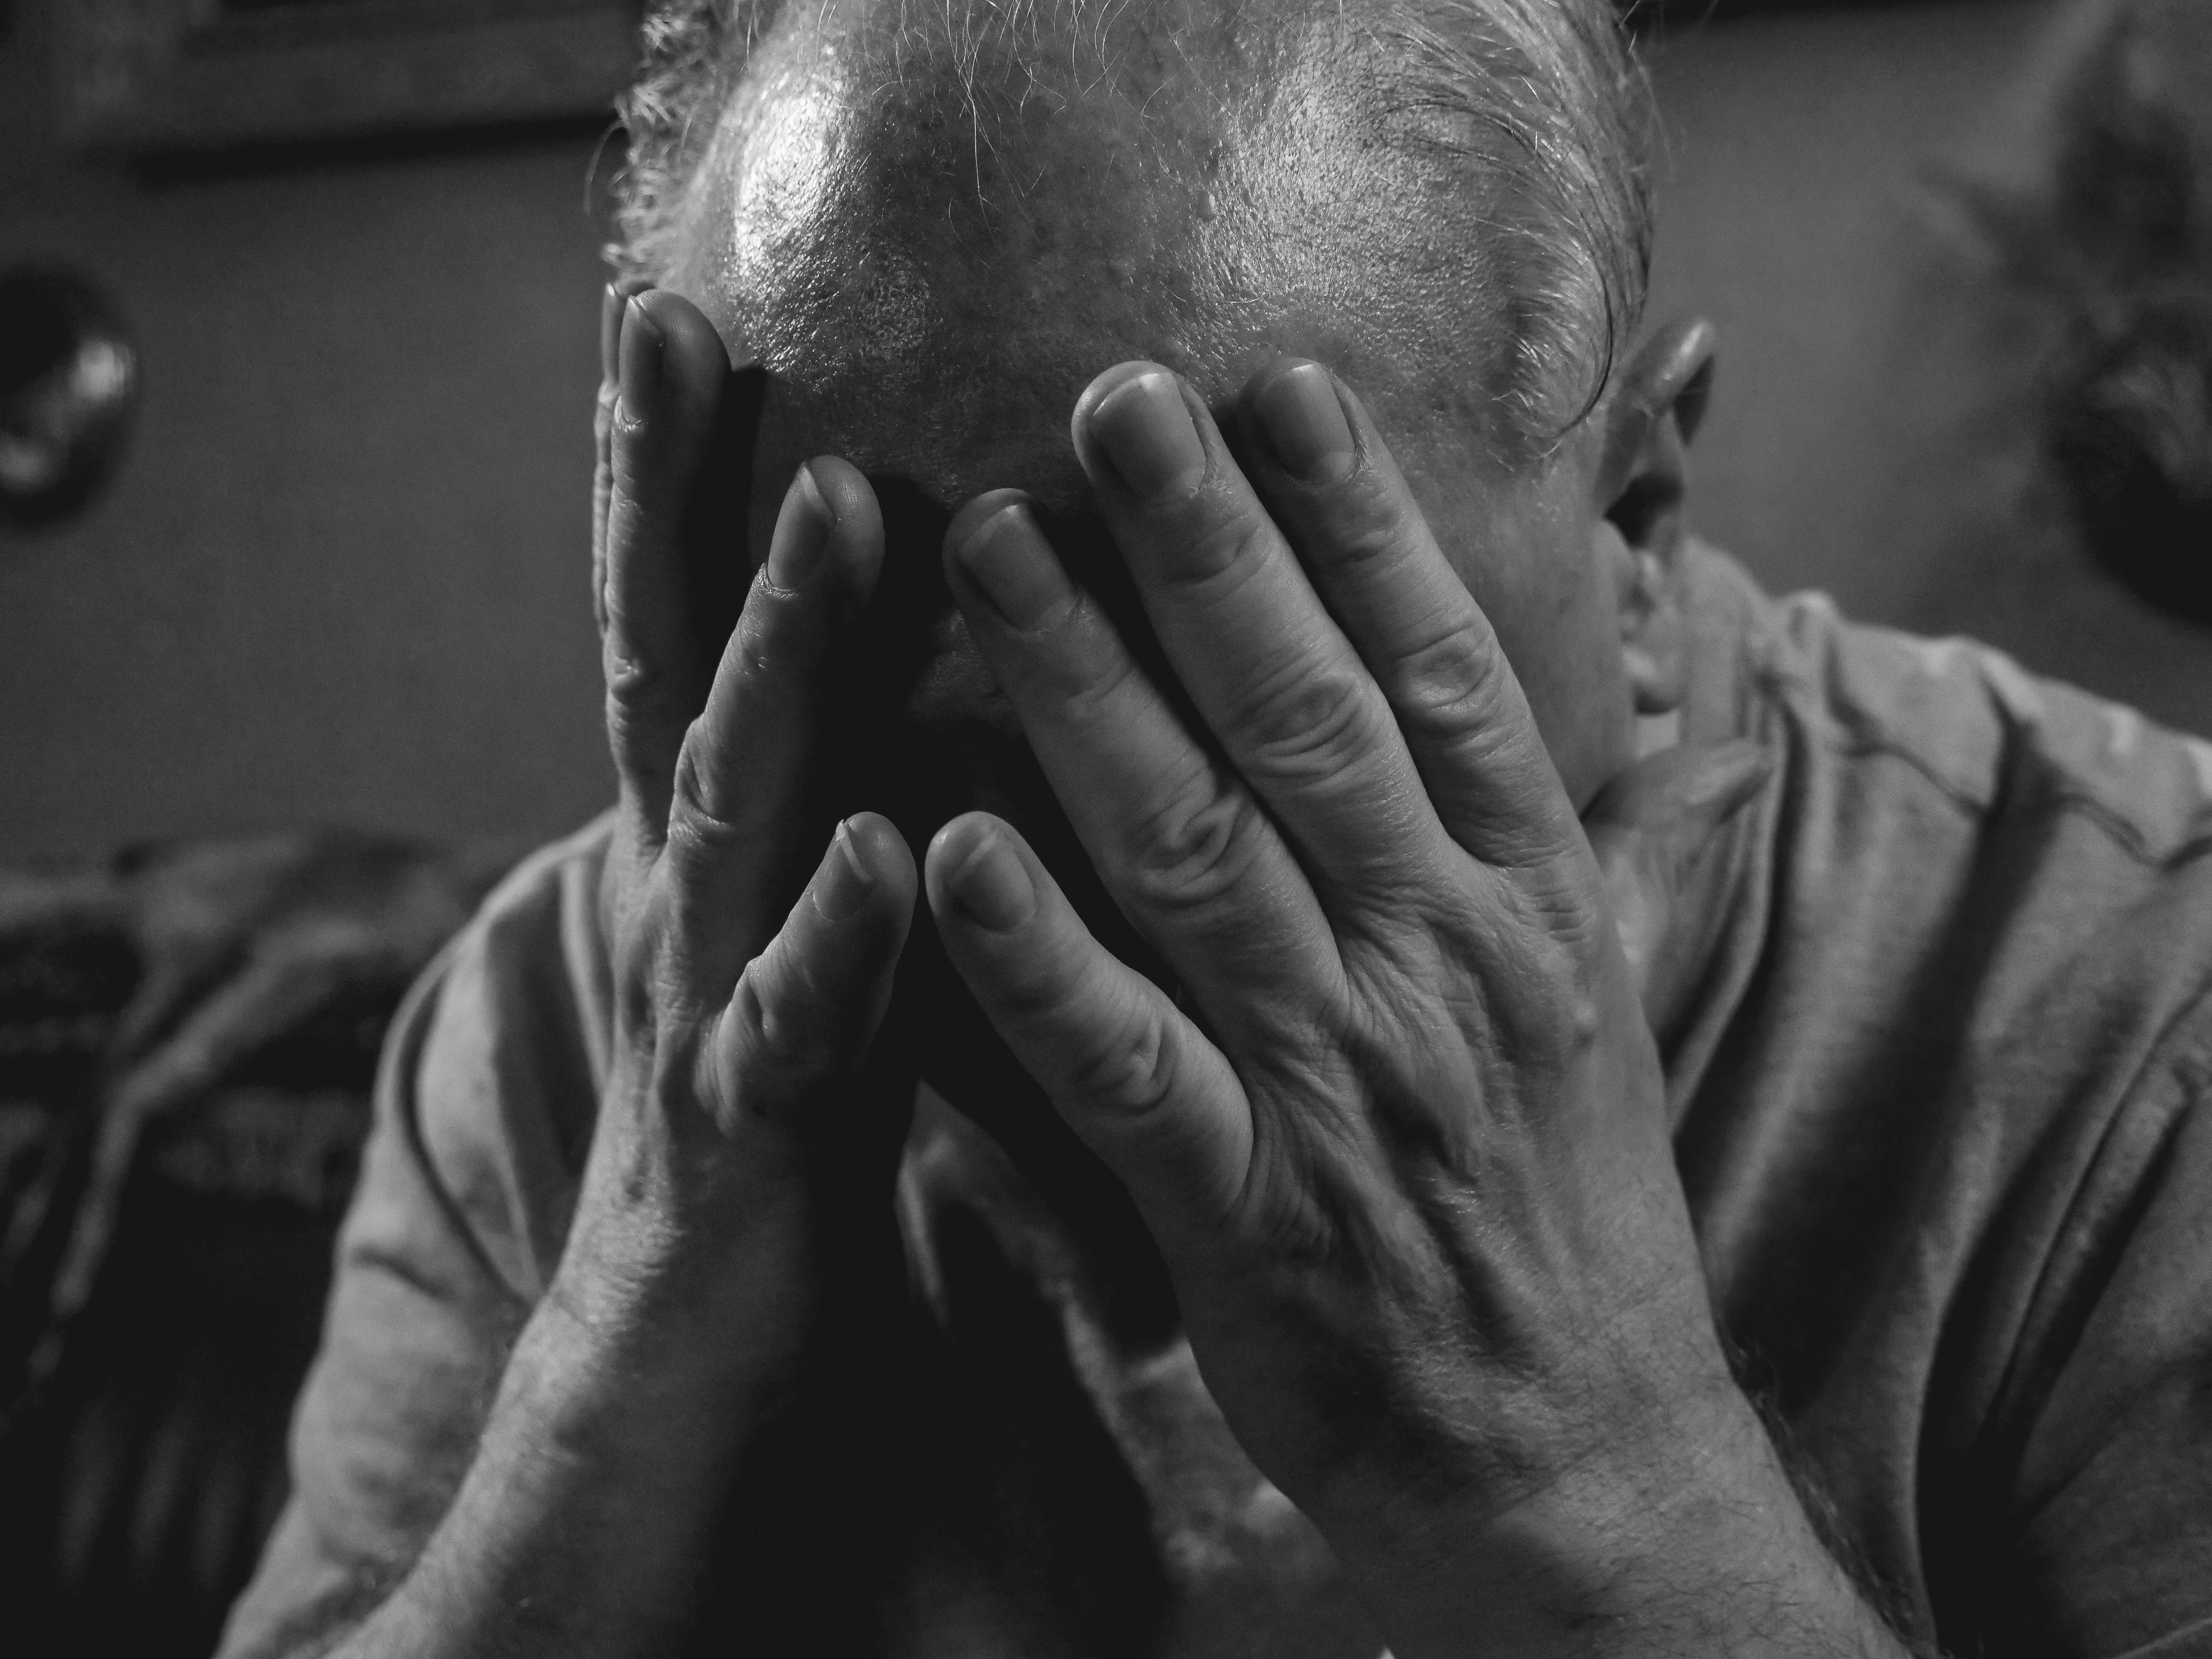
[
  {"x": 787, "y": 1281},
  {"x": 641, "y": 1308},
  {"x": 581, "y": 1526},
  {"x": 1694, "y": 1541}
]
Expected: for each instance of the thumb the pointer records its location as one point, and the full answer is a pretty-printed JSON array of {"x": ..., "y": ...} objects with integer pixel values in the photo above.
[{"x": 1649, "y": 827}]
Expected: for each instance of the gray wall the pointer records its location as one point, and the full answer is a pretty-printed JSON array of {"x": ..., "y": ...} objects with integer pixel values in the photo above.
[
  {"x": 341, "y": 577},
  {"x": 1874, "y": 430}
]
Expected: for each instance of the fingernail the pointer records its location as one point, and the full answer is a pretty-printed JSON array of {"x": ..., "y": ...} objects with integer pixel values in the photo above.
[
  {"x": 1146, "y": 429},
  {"x": 1304, "y": 424},
  {"x": 611, "y": 315},
  {"x": 991, "y": 887},
  {"x": 846, "y": 883},
  {"x": 641, "y": 345},
  {"x": 802, "y": 531},
  {"x": 1007, "y": 557}
]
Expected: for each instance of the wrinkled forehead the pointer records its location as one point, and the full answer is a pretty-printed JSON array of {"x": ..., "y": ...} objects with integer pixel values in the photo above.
[{"x": 933, "y": 243}]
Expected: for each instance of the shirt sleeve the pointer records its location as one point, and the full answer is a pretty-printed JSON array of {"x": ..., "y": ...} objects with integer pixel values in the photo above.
[
  {"x": 2113, "y": 1554},
  {"x": 483, "y": 1104}
]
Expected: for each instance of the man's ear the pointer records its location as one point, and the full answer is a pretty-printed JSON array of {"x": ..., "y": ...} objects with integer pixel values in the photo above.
[{"x": 1642, "y": 483}]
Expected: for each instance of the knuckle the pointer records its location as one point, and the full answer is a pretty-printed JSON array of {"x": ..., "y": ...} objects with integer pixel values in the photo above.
[
  {"x": 632, "y": 427},
  {"x": 1365, "y": 521},
  {"x": 780, "y": 1014},
  {"x": 1096, "y": 676},
  {"x": 638, "y": 520},
  {"x": 655, "y": 454},
  {"x": 1560, "y": 1028},
  {"x": 1216, "y": 549},
  {"x": 1306, "y": 724},
  {"x": 1447, "y": 685},
  {"x": 700, "y": 822},
  {"x": 1128, "y": 1069},
  {"x": 1104, "y": 1051},
  {"x": 643, "y": 710},
  {"x": 1559, "y": 1017},
  {"x": 1543, "y": 1002},
  {"x": 776, "y": 636},
  {"x": 635, "y": 685},
  {"x": 1192, "y": 851},
  {"x": 1563, "y": 901}
]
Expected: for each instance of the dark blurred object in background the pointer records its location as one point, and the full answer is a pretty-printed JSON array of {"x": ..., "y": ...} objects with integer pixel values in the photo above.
[
  {"x": 188, "y": 1035},
  {"x": 69, "y": 384},
  {"x": 2121, "y": 240},
  {"x": 143, "y": 77},
  {"x": 1675, "y": 13}
]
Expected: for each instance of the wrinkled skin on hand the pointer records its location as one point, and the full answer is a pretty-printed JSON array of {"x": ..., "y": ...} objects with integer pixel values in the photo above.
[
  {"x": 1398, "y": 1134},
  {"x": 746, "y": 995},
  {"x": 1397, "y": 1129},
  {"x": 1402, "y": 1139}
]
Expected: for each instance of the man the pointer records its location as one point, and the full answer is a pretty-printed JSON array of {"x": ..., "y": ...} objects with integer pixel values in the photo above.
[{"x": 1537, "y": 1199}]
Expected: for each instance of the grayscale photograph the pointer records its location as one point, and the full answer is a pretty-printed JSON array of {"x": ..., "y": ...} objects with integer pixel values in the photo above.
[{"x": 1106, "y": 828}]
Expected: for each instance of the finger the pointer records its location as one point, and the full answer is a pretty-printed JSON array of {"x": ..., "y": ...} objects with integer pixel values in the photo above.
[
  {"x": 671, "y": 374},
  {"x": 1648, "y": 829},
  {"x": 1129, "y": 1073},
  {"x": 1179, "y": 842},
  {"x": 619, "y": 293},
  {"x": 603, "y": 432},
  {"x": 1269, "y": 671},
  {"x": 614, "y": 299},
  {"x": 735, "y": 816},
  {"x": 808, "y": 1006},
  {"x": 1331, "y": 484}
]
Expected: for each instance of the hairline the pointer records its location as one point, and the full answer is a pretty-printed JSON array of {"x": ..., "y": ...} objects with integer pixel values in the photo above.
[{"x": 1541, "y": 101}]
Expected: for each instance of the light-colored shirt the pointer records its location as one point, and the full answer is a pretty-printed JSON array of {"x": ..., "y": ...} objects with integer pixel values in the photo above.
[{"x": 1939, "y": 1110}]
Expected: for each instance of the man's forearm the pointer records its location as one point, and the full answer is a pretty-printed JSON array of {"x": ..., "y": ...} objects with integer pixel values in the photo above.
[
  {"x": 736, "y": 1198},
  {"x": 1704, "y": 1549},
  {"x": 581, "y": 1526}
]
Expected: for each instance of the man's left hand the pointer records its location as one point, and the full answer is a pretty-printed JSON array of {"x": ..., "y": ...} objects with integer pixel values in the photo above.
[{"x": 1402, "y": 1139}]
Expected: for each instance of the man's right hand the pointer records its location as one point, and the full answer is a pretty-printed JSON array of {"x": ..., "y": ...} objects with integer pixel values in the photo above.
[{"x": 739, "y": 1181}]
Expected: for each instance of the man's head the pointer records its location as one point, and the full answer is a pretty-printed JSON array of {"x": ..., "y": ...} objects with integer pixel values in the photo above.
[
  {"x": 935, "y": 220},
  {"x": 1177, "y": 169}
]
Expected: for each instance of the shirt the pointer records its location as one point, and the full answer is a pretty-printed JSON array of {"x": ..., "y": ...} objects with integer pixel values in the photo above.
[{"x": 1938, "y": 1107}]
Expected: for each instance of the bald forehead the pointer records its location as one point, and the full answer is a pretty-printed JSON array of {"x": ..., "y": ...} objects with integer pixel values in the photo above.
[{"x": 934, "y": 223}]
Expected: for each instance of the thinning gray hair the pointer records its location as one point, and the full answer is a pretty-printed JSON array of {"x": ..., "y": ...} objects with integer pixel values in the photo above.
[{"x": 1541, "y": 101}]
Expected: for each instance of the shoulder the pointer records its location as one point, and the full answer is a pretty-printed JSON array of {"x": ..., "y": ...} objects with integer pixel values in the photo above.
[
  {"x": 1943, "y": 811},
  {"x": 1978, "y": 727},
  {"x": 2065, "y": 834},
  {"x": 483, "y": 1101},
  {"x": 1977, "y": 958},
  {"x": 1949, "y": 1136},
  {"x": 1973, "y": 939},
  {"x": 496, "y": 1062}
]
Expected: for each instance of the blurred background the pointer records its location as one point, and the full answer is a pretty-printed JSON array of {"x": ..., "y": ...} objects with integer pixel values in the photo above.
[{"x": 298, "y": 310}]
